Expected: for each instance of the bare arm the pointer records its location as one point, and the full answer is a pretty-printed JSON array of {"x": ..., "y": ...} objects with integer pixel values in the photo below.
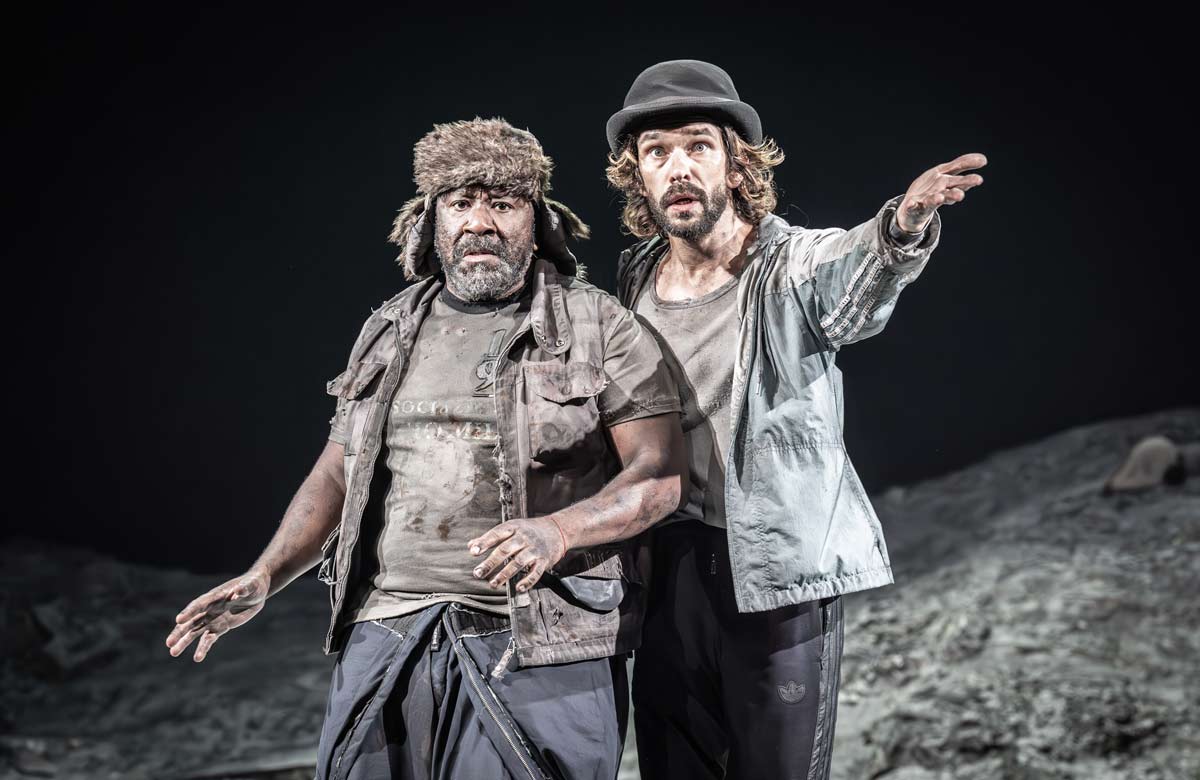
[
  {"x": 314, "y": 512},
  {"x": 296, "y": 546},
  {"x": 649, "y": 486}
]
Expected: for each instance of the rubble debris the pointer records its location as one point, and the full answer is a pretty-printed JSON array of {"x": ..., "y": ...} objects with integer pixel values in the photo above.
[{"x": 78, "y": 641}]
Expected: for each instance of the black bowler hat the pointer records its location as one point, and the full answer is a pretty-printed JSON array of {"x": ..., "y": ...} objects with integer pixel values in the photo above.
[{"x": 683, "y": 89}]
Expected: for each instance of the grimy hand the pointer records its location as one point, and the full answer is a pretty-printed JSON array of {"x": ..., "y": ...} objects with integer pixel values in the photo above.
[
  {"x": 225, "y": 607},
  {"x": 531, "y": 545},
  {"x": 936, "y": 187}
]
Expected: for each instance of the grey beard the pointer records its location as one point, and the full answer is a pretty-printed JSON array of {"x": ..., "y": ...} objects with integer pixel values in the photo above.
[
  {"x": 476, "y": 282},
  {"x": 712, "y": 205}
]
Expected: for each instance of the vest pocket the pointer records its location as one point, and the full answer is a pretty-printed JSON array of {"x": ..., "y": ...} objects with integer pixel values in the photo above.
[
  {"x": 354, "y": 382},
  {"x": 562, "y": 407},
  {"x": 352, "y": 388},
  {"x": 596, "y": 579}
]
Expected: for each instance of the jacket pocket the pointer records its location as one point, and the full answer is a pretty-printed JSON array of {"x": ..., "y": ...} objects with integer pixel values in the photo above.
[
  {"x": 562, "y": 408},
  {"x": 806, "y": 520}
]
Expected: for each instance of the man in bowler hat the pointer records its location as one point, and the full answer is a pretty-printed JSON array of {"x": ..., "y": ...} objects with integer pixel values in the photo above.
[{"x": 738, "y": 671}]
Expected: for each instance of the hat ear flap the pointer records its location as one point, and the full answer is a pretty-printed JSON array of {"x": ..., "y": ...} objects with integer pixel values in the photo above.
[
  {"x": 413, "y": 231},
  {"x": 556, "y": 224},
  {"x": 572, "y": 225}
]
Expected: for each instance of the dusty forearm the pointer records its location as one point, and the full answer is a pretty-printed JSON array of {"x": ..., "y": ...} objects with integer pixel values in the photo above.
[
  {"x": 313, "y": 513},
  {"x": 637, "y": 498}
]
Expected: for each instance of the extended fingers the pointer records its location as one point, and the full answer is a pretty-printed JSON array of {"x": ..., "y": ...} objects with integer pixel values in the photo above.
[
  {"x": 206, "y": 643},
  {"x": 197, "y": 607},
  {"x": 480, "y": 544},
  {"x": 186, "y": 635},
  {"x": 963, "y": 183},
  {"x": 499, "y": 557},
  {"x": 965, "y": 162},
  {"x": 535, "y": 573},
  {"x": 522, "y": 560},
  {"x": 204, "y": 604}
]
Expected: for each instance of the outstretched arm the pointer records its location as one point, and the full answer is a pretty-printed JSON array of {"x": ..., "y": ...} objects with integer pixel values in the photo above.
[
  {"x": 941, "y": 185},
  {"x": 847, "y": 281},
  {"x": 649, "y": 487},
  {"x": 314, "y": 512}
]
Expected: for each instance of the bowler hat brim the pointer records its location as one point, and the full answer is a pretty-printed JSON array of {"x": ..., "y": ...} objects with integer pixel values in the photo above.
[{"x": 638, "y": 117}]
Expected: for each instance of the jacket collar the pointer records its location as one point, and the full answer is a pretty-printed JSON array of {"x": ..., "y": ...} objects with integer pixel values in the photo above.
[{"x": 771, "y": 228}]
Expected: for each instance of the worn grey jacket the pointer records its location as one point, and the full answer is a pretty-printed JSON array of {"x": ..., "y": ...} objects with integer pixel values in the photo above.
[{"x": 799, "y": 523}]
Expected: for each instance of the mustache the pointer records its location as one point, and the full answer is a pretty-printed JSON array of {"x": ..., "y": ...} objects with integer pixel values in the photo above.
[
  {"x": 471, "y": 244},
  {"x": 682, "y": 188}
]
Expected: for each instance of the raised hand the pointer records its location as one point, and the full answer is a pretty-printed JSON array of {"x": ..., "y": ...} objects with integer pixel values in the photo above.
[
  {"x": 532, "y": 545},
  {"x": 225, "y": 607},
  {"x": 938, "y": 186}
]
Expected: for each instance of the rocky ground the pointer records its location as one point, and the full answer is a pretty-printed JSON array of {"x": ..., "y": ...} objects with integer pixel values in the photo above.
[{"x": 1036, "y": 630}]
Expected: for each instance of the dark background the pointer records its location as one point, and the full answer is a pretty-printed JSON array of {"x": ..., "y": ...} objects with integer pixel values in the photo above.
[{"x": 203, "y": 195}]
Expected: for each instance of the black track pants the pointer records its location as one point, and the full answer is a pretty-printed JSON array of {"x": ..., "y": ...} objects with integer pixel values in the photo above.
[{"x": 721, "y": 694}]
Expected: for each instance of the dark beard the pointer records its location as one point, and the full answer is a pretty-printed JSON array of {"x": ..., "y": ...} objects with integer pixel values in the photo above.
[
  {"x": 692, "y": 228},
  {"x": 478, "y": 282}
]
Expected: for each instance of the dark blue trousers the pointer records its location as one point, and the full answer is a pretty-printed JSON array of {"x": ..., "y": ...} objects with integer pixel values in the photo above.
[{"x": 432, "y": 696}]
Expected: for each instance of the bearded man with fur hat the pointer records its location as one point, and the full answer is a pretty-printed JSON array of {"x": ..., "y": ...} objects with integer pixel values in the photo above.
[{"x": 503, "y": 431}]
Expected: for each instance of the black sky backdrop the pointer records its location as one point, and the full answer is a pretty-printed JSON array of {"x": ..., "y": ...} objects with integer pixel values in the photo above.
[{"x": 203, "y": 195}]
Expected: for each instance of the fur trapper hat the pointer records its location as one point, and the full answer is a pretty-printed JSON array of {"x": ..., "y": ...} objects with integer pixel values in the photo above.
[{"x": 489, "y": 153}]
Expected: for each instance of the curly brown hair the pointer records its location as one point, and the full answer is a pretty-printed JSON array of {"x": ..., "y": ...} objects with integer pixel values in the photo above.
[{"x": 754, "y": 198}]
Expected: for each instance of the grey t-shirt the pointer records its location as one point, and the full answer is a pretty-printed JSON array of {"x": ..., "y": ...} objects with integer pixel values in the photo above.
[
  {"x": 441, "y": 433},
  {"x": 440, "y": 437},
  {"x": 698, "y": 337}
]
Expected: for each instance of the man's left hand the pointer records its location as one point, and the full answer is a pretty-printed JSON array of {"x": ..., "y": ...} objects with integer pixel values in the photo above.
[
  {"x": 531, "y": 545},
  {"x": 936, "y": 187}
]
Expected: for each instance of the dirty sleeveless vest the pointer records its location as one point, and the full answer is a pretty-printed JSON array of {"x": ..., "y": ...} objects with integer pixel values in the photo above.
[{"x": 547, "y": 379}]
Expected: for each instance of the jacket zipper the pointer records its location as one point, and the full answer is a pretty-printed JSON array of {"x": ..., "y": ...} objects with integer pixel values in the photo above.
[{"x": 754, "y": 306}]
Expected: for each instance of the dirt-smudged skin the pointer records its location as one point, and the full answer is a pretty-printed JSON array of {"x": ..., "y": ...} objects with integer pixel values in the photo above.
[{"x": 310, "y": 517}]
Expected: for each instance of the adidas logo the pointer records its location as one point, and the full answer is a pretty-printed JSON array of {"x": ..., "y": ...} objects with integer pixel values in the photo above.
[{"x": 792, "y": 692}]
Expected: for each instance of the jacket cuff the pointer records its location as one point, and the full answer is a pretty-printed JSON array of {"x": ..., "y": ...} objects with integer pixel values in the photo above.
[
  {"x": 903, "y": 258},
  {"x": 900, "y": 237}
]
